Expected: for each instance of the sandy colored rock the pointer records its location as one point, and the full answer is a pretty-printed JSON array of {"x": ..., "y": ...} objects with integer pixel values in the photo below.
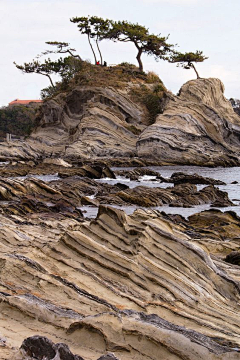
[
  {"x": 139, "y": 287},
  {"x": 199, "y": 126},
  {"x": 90, "y": 122},
  {"x": 58, "y": 162}
]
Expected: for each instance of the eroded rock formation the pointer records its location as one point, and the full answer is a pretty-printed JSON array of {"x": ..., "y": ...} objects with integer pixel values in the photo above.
[
  {"x": 148, "y": 286},
  {"x": 143, "y": 286},
  {"x": 197, "y": 127},
  {"x": 91, "y": 122},
  {"x": 76, "y": 186}
]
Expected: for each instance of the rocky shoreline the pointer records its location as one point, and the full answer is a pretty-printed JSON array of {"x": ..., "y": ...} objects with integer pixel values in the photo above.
[
  {"x": 116, "y": 287},
  {"x": 76, "y": 185}
]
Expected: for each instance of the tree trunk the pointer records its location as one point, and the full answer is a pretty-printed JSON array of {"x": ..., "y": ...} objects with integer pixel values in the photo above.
[
  {"x": 99, "y": 53},
  {"x": 92, "y": 49},
  {"x": 69, "y": 52},
  {"x": 50, "y": 80},
  {"x": 76, "y": 56},
  {"x": 49, "y": 77},
  {"x": 138, "y": 57},
  {"x": 198, "y": 77}
]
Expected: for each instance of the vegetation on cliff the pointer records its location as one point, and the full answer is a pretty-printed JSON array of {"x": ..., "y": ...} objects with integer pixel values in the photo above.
[
  {"x": 73, "y": 67},
  {"x": 124, "y": 31},
  {"x": 95, "y": 28},
  {"x": 188, "y": 59},
  {"x": 144, "y": 89},
  {"x": 17, "y": 120},
  {"x": 60, "y": 48}
]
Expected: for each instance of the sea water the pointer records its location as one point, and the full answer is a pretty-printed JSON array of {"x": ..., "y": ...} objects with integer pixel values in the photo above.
[{"x": 227, "y": 175}]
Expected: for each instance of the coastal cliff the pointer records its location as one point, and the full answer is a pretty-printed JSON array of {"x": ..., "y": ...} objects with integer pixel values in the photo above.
[
  {"x": 199, "y": 126},
  {"x": 135, "y": 118},
  {"x": 145, "y": 286}
]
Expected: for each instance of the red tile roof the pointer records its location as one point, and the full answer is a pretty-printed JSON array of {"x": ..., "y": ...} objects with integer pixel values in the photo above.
[{"x": 23, "y": 102}]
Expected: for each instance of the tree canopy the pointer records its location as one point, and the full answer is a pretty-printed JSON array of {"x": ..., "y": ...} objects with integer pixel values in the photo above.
[
  {"x": 65, "y": 67},
  {"x": 187, "y": 59},
  {"x": 61, "y": 48},
  {"x": 139, "y": 35},
  {"x": 18, "y": 120},
  {"x": 47, "y": 68},
  {"x": 95, "y": 28},
  {"x": 69, "y": 67},
  {"x": 99, "y": 29}
]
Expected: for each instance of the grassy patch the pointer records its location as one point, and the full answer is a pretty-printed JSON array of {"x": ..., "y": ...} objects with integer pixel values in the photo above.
[{"x": 103, "y": 76}]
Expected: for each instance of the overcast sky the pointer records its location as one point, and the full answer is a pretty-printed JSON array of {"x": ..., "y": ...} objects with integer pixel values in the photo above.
[{"x": 212, "y": 26}]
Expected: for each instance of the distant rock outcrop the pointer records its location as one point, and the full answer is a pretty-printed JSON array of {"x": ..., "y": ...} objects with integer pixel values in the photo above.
[{"x": 236, "y": 105}]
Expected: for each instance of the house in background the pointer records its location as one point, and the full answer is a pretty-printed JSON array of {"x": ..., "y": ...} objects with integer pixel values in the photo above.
[{"x": 24, "y": 102}]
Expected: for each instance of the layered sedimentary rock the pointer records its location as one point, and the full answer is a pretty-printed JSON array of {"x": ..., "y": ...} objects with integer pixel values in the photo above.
[
  {"x": 90, "y": 122},
  {"x": 199, "y": 126},
  {"x": 183, "y": 195},
  {"x": 148, "y": 286},
  {"x": 135, "y": 287}
]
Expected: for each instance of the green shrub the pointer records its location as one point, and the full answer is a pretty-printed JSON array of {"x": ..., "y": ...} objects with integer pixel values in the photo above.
[
  {"x": 159, "y": 88},
  {"x": 129, "y": 66},
  {"x": 18, "y": 120},
  {"x": 133, "y": 129},
  {"x": 151, "y": 98}
]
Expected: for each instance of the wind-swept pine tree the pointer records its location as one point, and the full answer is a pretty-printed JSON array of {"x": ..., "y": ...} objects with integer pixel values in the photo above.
[{"x": 187, "y": 59}]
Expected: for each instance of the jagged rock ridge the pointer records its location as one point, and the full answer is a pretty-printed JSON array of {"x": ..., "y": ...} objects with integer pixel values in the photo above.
[{"x": 138, "y": 286}]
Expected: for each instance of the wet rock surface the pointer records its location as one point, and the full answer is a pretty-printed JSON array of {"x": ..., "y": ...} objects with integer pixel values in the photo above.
[
  {"x": 22, "y": 168},
  {"x": 77, "y": 186},
  {"x": 181, "y": 178},
  {"x": 135, "y": 174},
  {"x": 184, "y": 195},
  {"x": 176, "y": 178},
  {"x": 92, "y": 172}
]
